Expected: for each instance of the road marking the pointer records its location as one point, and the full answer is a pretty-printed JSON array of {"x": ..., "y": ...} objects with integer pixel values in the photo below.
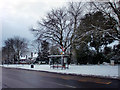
[
  {"x": 66, "y": 85},
  {"x": 66, "y": 78},
  {"x": 71, "y": 86},
  {"x": 94, "y": 80},
  {"x": 108, "y": 82},
  {"x": 100, "y": 81},
  {"x": 103, "y": 82},
  {"x": 82, "y": 80}
]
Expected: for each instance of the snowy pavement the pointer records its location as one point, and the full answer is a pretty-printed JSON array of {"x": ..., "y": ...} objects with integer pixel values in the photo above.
[{"x": 85, "y": 70}]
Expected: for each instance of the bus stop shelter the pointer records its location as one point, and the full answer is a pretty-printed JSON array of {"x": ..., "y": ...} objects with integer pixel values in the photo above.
[{"x": 58, "y": 61}]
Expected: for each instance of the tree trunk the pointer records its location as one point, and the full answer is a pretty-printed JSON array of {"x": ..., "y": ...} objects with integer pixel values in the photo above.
[{"x": 74, "y": 58}]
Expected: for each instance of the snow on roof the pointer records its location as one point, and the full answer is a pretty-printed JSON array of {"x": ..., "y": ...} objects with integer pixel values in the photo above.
[
  {"x": 35, "y": 55},
  {"x": 22, "y": 57}
]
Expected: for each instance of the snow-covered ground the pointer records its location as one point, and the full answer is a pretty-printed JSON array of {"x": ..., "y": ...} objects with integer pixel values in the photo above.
[{"x": 86, "y": 70}]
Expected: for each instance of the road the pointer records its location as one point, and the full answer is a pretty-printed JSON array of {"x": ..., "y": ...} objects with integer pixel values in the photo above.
[{"x": 17, "y": 78}]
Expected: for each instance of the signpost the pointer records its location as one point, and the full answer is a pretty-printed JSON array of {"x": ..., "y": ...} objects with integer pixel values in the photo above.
[{"x": 62, "y": 57}]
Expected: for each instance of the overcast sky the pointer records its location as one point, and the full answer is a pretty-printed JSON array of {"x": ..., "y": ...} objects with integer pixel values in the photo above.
[{"x": 18, "y": 16}]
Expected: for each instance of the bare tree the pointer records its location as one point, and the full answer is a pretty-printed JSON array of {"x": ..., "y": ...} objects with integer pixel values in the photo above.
[
  {"x": 75, "y": 11},
  {"x": 36, "y": 44},
  {"x": 60, "y": 25},
  {"x": 55, "y": 27},
  {"x": 14, "y": 47},
  {"x": 54, "y": 50}
]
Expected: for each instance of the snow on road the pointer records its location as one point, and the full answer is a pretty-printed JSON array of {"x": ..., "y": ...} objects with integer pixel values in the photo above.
[{"x": 94, "y": 70}]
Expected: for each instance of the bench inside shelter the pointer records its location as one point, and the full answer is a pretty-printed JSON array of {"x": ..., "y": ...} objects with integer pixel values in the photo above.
[{"x": 58, "y": 61}]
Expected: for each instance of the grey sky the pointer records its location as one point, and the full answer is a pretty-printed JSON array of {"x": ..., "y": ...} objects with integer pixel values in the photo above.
[{"x": 18, "y": 16}]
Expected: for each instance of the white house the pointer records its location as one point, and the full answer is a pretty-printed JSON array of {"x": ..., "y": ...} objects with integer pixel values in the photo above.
[{"x": 28, "y": 58}]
